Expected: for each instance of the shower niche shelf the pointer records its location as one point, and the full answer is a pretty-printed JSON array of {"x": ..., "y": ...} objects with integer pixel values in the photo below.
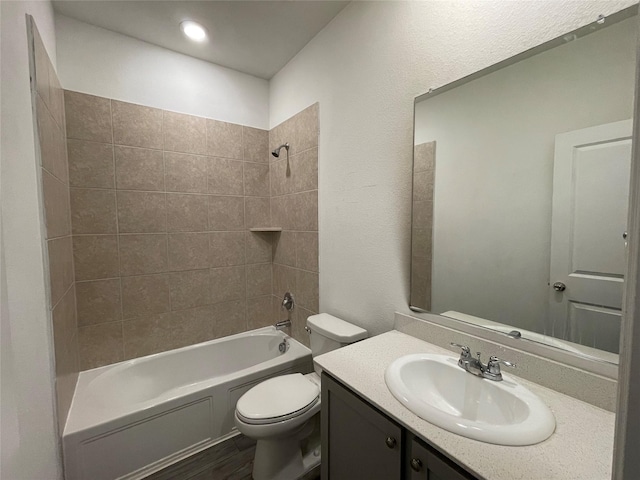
[{"x": 265, "y": 229}]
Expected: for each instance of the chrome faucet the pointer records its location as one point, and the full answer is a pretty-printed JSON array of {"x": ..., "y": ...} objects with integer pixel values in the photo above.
[
  {"x": 283, "y": 324},
  {"x": 287, "y": 302},
  {"x": 490, "y": 371}
]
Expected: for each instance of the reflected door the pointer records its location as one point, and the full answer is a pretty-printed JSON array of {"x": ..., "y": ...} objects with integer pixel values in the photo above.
[{"x": 589, "y": 215}]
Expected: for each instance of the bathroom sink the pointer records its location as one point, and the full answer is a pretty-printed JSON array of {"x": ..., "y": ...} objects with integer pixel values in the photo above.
[{"x": 436, "y": 389}]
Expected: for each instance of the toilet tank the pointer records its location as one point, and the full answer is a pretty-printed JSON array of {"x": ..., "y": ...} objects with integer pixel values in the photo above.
[{"x": 329, "y": 332}]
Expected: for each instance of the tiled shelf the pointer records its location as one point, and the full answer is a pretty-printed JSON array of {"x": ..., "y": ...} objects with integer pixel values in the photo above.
[{"x": 266, "y": 229}]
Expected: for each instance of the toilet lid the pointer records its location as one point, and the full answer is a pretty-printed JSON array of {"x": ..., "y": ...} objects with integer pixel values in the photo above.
[{"x": 278, "y": 397}]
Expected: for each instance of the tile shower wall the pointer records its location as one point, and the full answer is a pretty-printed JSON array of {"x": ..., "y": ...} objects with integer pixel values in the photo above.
[
  {"x": 294, "y": 207},
  {"x": 422, "y": 221},
  {"x": 161, "y": 206},
  {"x": 49, "y": 109}
]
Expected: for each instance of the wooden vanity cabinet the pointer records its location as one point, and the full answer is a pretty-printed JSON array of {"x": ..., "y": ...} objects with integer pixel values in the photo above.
[{"x": 360, "y": 442}]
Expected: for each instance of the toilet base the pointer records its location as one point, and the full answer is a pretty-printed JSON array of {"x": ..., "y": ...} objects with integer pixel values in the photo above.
[{"x": 283, "y": 459}]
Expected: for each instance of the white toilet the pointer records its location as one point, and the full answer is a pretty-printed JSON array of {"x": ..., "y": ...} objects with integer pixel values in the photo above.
[{"x": 280, "y": 413}]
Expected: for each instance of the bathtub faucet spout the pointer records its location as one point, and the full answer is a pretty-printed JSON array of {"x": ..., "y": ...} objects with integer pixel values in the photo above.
[{"x": 282, "y": 325}]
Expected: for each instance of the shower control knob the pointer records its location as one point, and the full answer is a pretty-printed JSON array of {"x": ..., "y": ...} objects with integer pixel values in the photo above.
[
  {"x": 416, "y": 464},
  {"x": 559, "y": 287},
  {"x": 391, "y": 442}
]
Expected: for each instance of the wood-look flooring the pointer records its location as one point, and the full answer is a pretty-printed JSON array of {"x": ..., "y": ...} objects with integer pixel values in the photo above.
[{"x": 229, "y": 460}]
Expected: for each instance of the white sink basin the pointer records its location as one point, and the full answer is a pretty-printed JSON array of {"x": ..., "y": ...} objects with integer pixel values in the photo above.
[{"x": 436, "y": 389}]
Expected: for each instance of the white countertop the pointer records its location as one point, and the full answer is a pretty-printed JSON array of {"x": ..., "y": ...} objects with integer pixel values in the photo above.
[{"x": 581, "y": 447}]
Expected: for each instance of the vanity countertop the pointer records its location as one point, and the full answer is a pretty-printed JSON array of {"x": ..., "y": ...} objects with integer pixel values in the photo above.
[{"x": 581, "y": 448}]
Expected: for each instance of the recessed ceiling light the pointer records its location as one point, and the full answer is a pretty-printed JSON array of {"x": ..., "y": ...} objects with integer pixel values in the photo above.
[{"x": 193, "y": 31}]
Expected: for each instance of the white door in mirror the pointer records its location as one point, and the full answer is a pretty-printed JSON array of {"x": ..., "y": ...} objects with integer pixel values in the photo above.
[{"x": 436, "y": 389}]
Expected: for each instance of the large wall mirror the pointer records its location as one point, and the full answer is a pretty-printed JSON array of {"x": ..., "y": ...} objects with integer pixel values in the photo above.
[{"x": 521, "y": 190}]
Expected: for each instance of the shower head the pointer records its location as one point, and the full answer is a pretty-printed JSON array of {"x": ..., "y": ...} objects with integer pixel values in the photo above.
[{"x": 276, "y": 152}]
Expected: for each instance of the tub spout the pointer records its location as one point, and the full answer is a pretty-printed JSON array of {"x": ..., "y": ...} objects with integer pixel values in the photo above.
[{"x": 282, "y": 325}]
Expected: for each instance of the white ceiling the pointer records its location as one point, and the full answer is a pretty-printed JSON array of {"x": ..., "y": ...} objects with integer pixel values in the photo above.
[{"x": 255, "y": 37}]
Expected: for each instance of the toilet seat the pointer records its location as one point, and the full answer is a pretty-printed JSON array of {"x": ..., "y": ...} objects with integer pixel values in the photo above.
[{"x": 278, "y": 399}]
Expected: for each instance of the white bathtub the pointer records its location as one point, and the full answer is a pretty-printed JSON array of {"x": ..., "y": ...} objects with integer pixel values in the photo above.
[{"x": 132, "y": 418}]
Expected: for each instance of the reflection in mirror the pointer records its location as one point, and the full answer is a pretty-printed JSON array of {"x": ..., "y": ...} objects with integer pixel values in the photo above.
[{"x": 519, "y": 213}]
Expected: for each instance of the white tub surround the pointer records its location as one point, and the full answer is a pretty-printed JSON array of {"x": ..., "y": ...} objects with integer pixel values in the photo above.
[
  {"x": 132, "y": 418},
  {"x": 572, "y": 452}
]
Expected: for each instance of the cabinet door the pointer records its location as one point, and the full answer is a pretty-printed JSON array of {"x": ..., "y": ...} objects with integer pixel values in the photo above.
[
  {"x": 425, "y": 463},
  {"x": 358, "y": 442}
]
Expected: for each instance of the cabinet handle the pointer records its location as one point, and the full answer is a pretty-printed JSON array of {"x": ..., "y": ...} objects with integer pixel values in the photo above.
[
  {"x": 416, "y": 465},
  {"x": 391, "y": 442}
]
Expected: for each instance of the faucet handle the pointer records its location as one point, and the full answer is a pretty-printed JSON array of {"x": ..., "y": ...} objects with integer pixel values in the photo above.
[
  {"x": 466, "y": 351},
  {"x": 494, "y": 364}
]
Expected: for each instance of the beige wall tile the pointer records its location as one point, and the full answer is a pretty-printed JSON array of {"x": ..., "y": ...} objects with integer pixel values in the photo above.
[
  {"x": 192, "y": 326},
  {"x": 259, "y": 280},
  {"x": 307, "y": 290},
  {"x": 189, "y": 289},
  {"x": 256, "y": 179},
  {"x": 185, "y": 173},
  {"x": 187, "y": 213},
  {"x": 99, "y": 301},
  {"x": 306, "y": 211},
  {"x": 142, "y": 254},
  {"x": 56, "y": 97},
  {"x": 91, "y": 164},
  {"x": 305, "y": 130},
  {"x": 424, "y": 157},
  {"x": 307, "y": 251},
  {"x": 95, "y": 256},
  {"x": 422, "y": 186},
  {"x": 56, "y": 206},
  {"x": 228, "y": 283},
  {"x": 281, "y": 178},
  {"x": 93, "y": 211},
  {"x": 278, "y": 313},
  {"x": 60, "y": 267},
  {"x": 188, "y": 251},
  {"x": 256, "y": 145},
  {"x": 257, "y": 212},
  {"x": 136, "y": 125},
  {"x": 259, "y": 247},
  {"x": 139, "y": 169},
  {"x": 282, "y": 212},
  {"x": 226, "y": 213},
  {"x": 184, "y": 133},
  {"x": 224, "y": 139},
  {"x": 305, "y": 170},
  {"x": 53, "y": 155},
  {"x": 64, "y": 335},
  {"x": 227, "y": 248},
  {"x": 280, "y": 135},
  {"x": 259, "y": 312},
  {"x": 225, "y": 176},
  {"x": 284, "y": 280},
  {"x": 88, "y": 117},
  {"x": 100, "y": 345},
  {"x": 299, "y": 321},
  {"x": 147, "y": 335},
  {"x": 284, "y": 248},
  {"x": 229, "y": 318},
  {"x": 42, "y": 67},
  {"x": 141, "y": 212},
  {"x": 145, "y": 295}
]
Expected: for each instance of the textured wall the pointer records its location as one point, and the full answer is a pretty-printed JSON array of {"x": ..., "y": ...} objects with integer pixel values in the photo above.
[
  {"x": 365, "y": 68},
  {"x": 98, "y": 61}
]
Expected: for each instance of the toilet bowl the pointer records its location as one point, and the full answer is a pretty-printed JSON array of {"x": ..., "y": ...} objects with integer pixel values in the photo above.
[{"x": 282, "y": 413}]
